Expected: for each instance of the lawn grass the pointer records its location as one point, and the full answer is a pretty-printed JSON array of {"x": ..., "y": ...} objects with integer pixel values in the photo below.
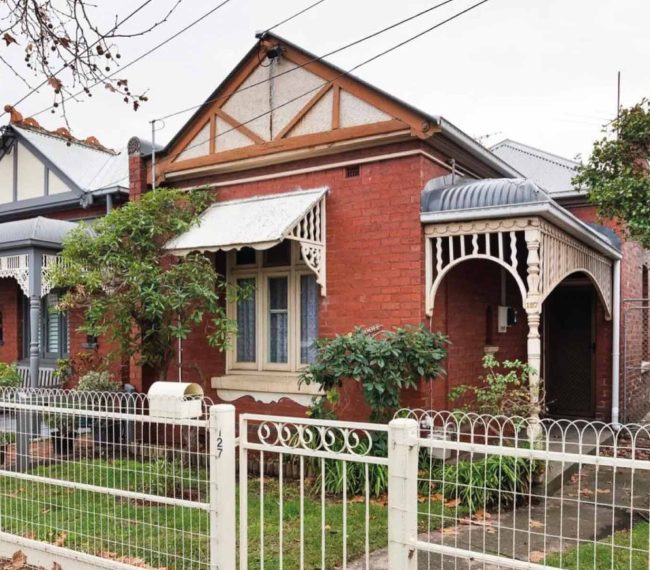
[
  {"x": 177, "y": 537},
  {"x": 600, "y": 556}
]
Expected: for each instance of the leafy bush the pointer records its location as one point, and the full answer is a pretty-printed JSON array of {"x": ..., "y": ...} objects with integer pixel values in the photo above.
[
  {"x": 383, "y": 362},
  {"x": 495, "y": 480},
  {"x": 9, "y": 376},
  {"x": 7, "y": 438},
  {"x": 502, "y": 391},
  {"x": 98, "y": 382}
]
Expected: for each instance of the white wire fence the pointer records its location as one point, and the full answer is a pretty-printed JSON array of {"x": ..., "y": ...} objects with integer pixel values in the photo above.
[
  {"x": 489, "y": 495},
  {"x": 312, "y": 493},
  {"x": 98, "y": 473}
]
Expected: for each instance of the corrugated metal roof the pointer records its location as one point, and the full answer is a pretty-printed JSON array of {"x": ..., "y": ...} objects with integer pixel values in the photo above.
[
  {"x": 486, "y": 193},
  {"x": 550, "y": 171},
  {"x": 88, "y": 167},
  {"x": 39, "y": 229},
  {"x": 259, "y": 222}
]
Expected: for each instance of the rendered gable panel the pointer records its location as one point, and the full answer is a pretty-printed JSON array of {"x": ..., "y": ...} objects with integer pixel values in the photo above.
[
  {"x": 252, "y": 100},
  {"x": 290, "y": 84},
  {"x": 31, "y": 175},
  {"x": 55, "y": 184},
  {"x": 198, "y": 146},
  {"x": 7, "y": 178},
  {"x": 318, "y": 119},
  {"x": 355, "y": 111},
  {"x": 228, "y": 137}
]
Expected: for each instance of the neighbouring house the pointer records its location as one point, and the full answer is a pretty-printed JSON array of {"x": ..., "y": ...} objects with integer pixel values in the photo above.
[
  {"x": 554, "y": 174},
  {"x": 48, "y": 182},
  {"x": 347, "y": 207}
]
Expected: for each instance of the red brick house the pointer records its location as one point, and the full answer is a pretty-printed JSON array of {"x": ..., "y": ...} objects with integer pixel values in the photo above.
[
  {"x": 346, "y": 207},
  {"x": 48, "y": 182}
]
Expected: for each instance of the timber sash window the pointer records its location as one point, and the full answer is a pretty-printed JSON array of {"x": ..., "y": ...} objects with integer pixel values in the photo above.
[{"x": 277, "y": 323}]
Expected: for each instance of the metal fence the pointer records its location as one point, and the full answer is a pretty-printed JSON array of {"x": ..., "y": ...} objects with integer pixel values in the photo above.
[
  {"x": 311, "y": 492},
  {"x": 122, "y": 481},
  {"x": 104, "y": 479},
  {"x": 479, "y": 492}
]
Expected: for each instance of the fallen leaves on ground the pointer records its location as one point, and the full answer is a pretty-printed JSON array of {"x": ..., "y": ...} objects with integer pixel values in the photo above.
[
  {"x": 536, "y": 556},
  {"x": 137, "y": 562},
  {"x": 452, "y": 503},
  {"x": 535, "y": 524}
]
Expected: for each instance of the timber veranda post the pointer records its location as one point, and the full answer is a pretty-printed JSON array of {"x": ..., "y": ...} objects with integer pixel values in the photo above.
[{"x": 223, "y": 534}]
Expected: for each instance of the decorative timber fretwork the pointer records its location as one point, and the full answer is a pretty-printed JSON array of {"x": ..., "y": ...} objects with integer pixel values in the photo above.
[
  {"x": 537, "y": 254},
  {"x": 309, "y": 232},
  {"x": 48, "y": 263},
  {"x": 16, "y": 267},
  {"x": 562, "y": 255}
]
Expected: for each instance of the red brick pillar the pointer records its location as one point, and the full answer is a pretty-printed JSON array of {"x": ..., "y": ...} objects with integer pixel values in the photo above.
[{"x": 137, "y": 169}]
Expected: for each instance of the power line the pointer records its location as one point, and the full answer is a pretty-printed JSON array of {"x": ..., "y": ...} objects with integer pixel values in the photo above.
[
  {"x": 147, "y": 53},
  {"x": 34, "y": 89},
  {"x": 315, "y": 59},
  {"x": 295, "y": 15},
  {"x": 343, "y": 74}
]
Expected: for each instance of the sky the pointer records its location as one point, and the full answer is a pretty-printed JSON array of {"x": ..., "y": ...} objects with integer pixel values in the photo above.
[{"x": 542, "y": 72}]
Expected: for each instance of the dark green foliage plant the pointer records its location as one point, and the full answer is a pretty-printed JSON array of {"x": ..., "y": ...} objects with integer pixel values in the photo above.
[
  {"x": 482, "y": 484},
  {"x": 132, "y": 291},
  {"x": 617, "y": 177},
  {"x": 383, "y": 362},
  {"x": 9, "y": 376}
]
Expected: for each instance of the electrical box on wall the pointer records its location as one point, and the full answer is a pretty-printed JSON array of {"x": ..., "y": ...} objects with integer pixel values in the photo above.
[{"x": 506, "y": 317}]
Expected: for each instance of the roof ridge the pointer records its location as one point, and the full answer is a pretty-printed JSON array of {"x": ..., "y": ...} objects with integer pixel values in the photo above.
[
  {"x": 537, "y": 152},
  {"x": 60, "y": 137}
]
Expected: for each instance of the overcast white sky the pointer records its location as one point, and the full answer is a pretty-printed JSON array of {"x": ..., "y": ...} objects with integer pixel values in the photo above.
[{"x": 538, "y": 71}]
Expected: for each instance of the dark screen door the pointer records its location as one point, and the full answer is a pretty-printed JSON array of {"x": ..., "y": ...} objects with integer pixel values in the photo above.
[{"x": 569, "y": 352}]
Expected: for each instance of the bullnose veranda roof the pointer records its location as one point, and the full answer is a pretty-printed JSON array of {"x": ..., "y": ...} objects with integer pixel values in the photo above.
[
  {"x": 34, "y": 231},
  {"x": 487, "y": 193}
]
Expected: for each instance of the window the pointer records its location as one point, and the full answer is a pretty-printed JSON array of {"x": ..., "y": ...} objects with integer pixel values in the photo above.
[
  {"x": 53, "y": 332},
  {"x": 278, "y": 323}
]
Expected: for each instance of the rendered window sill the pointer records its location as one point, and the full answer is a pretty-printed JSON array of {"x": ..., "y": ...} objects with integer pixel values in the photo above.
[{"x": 264, "y": 387}]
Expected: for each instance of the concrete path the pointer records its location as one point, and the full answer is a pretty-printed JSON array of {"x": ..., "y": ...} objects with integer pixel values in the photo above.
[{"x": 553, "y": 524}]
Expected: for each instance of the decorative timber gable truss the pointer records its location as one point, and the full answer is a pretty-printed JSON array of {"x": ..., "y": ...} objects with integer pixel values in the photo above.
[
  {"x": 537, "y": 254},
  {"x": 292, "y": 102}
]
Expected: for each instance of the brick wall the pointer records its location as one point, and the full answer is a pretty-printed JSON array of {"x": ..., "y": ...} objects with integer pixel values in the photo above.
[
  {"x": 10, "y": 298},
  {"x": 375, "y": 259}
]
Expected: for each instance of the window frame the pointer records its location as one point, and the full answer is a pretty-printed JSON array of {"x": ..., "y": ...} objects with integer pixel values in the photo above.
[{"x": 261, "y": 275}]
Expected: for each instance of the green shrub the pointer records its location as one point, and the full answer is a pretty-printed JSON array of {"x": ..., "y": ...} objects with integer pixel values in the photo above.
[
  {"x": 383, "y": 362},
  {"x": 98, "y": 382},
  {"x": 485, "y": 483},
  {"x": 7, "y": 438},
  {"x": 9, "y": 376}
]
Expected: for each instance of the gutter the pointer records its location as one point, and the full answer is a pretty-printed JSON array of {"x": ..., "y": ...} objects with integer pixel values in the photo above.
[
  {"x": 547, "y": 210},
  {"x": 467, "y": 143}
]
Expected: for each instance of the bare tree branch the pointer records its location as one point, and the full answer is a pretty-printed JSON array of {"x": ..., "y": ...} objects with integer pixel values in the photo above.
[{"x": 66, "y": 48}]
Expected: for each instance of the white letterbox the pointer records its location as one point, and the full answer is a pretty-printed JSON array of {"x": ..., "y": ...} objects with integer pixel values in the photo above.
[{"x": 180, "y": 400}]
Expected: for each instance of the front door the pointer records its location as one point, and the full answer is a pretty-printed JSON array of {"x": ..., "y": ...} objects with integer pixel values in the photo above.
[{"x": 569, "y": 338}]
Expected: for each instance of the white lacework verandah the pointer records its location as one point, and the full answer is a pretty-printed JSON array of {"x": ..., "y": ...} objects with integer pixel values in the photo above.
[
  {"x": 28, "y": 252},
  {"x": 516, "y": 225}
]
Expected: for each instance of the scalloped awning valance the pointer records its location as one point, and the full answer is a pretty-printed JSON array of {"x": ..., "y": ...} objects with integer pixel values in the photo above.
[{"x": 261, "y": 223}]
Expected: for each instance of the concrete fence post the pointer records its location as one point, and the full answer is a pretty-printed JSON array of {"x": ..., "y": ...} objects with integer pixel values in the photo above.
[
  {"x": 223, "y": 536},
  {"x": 402, "y": 494}
]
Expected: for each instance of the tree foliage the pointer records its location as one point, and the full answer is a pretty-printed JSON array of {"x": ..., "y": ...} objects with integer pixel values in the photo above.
[
  {"x": 384, "y": 363},
  {"x": 132, "y": 291},
  {"x": 617, "y": 175}
]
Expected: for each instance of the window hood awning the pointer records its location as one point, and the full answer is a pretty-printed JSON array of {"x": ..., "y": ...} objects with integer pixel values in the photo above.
[{"x": 261, "y": 223}]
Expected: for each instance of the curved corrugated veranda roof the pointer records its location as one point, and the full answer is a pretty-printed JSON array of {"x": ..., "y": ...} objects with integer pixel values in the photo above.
[{"x": 488, "y": 193}]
